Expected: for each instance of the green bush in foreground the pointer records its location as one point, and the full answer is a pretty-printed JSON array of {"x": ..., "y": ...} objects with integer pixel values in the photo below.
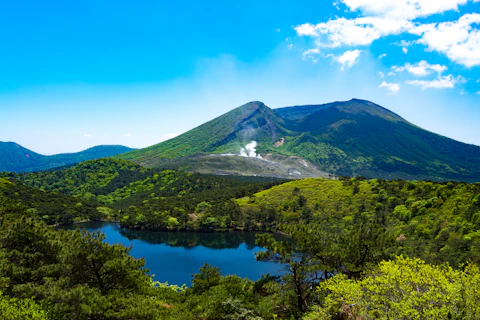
[
  {"x": 405, "y": 288},
  {"x": 23, "y": 309}
]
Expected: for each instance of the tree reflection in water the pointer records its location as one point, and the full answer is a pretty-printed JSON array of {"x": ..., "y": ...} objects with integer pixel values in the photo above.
[{"x": 188, "y": 240}]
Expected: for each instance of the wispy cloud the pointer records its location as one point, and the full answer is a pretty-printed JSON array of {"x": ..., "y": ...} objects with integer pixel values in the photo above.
[
  {"x": 87, "y": 135},
  {"x": 349, "y": 58},
  {"x": 422, "y": 68},
  {"x": 382, "y": 56},
  {"x": 440, "y": 83},
  {"x": 127, "y": 135},
  {"x": 311, "y": 54},
  {"x": 391, "y": 87}
]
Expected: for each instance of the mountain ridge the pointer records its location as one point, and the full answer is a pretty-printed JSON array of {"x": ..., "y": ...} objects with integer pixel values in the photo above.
[
  {"x": 16, "y": 158},
  {"x": 350, "y": 138}
]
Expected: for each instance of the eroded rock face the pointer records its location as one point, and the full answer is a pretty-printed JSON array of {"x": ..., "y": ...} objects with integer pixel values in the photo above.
[{"x": 279, "y": 143}]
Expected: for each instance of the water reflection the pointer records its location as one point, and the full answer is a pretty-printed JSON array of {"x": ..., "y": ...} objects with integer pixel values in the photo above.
[
  {"x": 188, "y": 240},
  {"x": 175, "y": 256}
]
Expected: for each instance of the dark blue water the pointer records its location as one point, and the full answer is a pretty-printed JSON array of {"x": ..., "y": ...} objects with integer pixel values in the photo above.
[{"x": 173, "y": 256}]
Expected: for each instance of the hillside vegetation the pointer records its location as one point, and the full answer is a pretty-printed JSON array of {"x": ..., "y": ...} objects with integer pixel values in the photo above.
[
  {"x": 152, "y": 198},
  {"x": 51, "y": 207},
  {"x": 437, "y": 222}
]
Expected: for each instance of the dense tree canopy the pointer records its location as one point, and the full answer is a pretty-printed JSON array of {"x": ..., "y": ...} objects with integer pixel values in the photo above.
[{"x": 353, "y": 248}]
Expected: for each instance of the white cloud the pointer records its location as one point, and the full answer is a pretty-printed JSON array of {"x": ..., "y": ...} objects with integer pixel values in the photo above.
[
  {"x": 126, "y": 135},
  {"x": 359, "y": 31},
  {"x": 381, "y": 74},
  {"x": 391, "y": 87},
  {"x": 349, "y": 58},
  {"x": 310, "y": 54},
  {"x": 406, "y": 9},
  {"x": 440, "y": 83},
  {"x": 404, "y": 44},
  {"x": 421, "y": 68},
  {"x": 391, "y": 74},
  {"x": 168, "y": 136},
  {"x": 290, "y": 46},
  {"x": 398, "y": 69},
  {"x": 384, "y": 54},
  {"x": 458, "y": 40},
  {"x": 87, "y": 135}
]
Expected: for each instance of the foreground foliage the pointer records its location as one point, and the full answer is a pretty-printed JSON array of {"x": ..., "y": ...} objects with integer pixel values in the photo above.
[
  {"x": 73, "y": 275},
  {"x": 402, "y": 289}
]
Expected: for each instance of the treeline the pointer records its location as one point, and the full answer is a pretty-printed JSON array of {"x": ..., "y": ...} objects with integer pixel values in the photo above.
[
  {"x": 51, "y": 207},
  {"x": 153, "y": 199}
]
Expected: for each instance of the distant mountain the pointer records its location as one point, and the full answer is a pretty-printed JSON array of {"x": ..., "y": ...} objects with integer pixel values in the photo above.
[
  {"x": 352, "y": 138},
  {"x": 15, "y": 158}
]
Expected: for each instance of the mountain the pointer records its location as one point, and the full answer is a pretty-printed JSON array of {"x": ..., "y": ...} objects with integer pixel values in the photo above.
[
  {"x": 352, "y": 138},
  {"x": 15, "y": 158},
  {"x": 227, "y": 133}
]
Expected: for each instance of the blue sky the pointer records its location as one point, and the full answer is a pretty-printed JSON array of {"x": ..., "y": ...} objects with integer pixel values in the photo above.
[{"x": 78, "y": 74}]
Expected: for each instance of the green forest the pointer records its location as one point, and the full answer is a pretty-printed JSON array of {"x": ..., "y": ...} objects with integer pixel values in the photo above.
[{"x": 354, "y": 248}]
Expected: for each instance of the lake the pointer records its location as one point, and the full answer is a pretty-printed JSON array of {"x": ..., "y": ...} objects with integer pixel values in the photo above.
[{"x": 173, "y": 256}]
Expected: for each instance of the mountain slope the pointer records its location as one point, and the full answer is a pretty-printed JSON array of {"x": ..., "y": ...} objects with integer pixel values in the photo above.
[
  {"x": 227, "y": 133},
  {"x": 355, "y": 137},
  {"x": 15, "y": 158},
  {"x": 358, "y": 137}
]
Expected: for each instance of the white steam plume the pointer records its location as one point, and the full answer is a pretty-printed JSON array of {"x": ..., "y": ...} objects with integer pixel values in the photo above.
[{"x": 250, "y": 150}]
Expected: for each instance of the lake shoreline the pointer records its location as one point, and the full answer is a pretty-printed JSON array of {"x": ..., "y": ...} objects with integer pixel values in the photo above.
[
  {"x": 168, "y": 230},
  {"x": 174, "y": 256}
]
